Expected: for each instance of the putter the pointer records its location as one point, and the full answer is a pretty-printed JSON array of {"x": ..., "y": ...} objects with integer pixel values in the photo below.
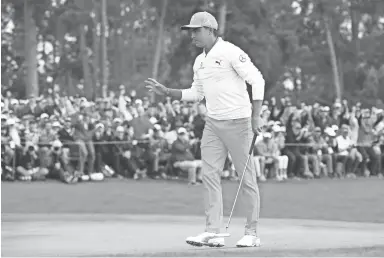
[{"x": 226, "y": 234}]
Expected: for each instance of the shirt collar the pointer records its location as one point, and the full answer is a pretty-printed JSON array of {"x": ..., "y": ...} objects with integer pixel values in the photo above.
[{"x": 219, "y": 40}]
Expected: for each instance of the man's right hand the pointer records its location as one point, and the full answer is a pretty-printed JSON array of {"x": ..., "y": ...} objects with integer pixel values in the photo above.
[{"x": 155, "y": 86}]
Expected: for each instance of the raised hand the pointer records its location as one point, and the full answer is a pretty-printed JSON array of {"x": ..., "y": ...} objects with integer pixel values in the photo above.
[{"x": 155, "y": 86}]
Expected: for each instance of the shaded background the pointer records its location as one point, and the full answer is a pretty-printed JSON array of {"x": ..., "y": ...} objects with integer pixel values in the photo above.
[{"x": 312, "y": 50}]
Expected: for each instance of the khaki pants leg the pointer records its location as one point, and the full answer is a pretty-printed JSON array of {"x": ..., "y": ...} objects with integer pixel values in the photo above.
[
  {"x": 213, "y": 155},
  {"x": 236, "y": 136}
]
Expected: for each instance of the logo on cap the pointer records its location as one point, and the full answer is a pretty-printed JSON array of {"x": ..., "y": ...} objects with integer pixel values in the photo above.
[{"x": 242, "y": 58}]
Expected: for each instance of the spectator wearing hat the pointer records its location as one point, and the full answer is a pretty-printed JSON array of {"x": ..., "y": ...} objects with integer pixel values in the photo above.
[
  {"x": 371, "y": 159},
  {"x": 83, "y": 136},
  {"x": 160, "y": 149},
  {"x": 60, "y": 168},
  {"x": 124, "y": 162},
  {"x": 267, "y": 148},
  {"x": 98, "y": 140},
  {"x": 29, "y": 165},
  {"x": 320, "y": 149},
  {"x": 347, "y": 160},
  {"x": 182, "y": 157}
]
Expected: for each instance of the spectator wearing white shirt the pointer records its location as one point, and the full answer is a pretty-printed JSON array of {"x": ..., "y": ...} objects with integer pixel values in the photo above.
[
  {"x": 268, "y": 149},
  {"x": 279, "y": 138},
  {"x": 346, "y": 153}
]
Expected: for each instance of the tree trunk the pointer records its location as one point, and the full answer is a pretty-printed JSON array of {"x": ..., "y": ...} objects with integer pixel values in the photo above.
[
  {"x": 88, "y": 89},
  {"x": 222, "y": 17},
  {"x": 59, "y": 41},
  {"x": 354, "y": 24},
  {"x": 114, "y": 60},
  {"x": 334, "y": 62},
  {"x": 127, "y": 62},
  {"x": 159, "y": 44},
  {"x": 31, "y": 78},
  {"x": 340, "y": 68},
  {"x": 354, "y": 13},
  {"x": 104, "y": 56},
  {"x": 96, "y": 51}
]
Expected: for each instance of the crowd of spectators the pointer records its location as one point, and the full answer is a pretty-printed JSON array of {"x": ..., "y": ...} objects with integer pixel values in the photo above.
[{"x": 72, "y": 139}]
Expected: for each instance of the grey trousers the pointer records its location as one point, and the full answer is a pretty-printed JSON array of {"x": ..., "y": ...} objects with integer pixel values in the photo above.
[{"x": 219, "y": 137}]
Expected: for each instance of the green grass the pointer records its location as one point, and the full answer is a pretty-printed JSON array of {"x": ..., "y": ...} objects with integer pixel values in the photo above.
[
  {"x": 346, "y": 200},
  {"x": 377, "y": 251}
]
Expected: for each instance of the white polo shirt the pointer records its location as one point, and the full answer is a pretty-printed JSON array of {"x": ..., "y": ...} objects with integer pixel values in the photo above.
[
  {"x": 343, "y": 144},
  {"x": 220, "y": 77}
]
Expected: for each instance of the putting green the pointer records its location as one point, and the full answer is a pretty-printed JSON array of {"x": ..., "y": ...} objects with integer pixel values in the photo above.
[
  {"x": 153, "y": 218},
  {"x": 138, "y": 235}
]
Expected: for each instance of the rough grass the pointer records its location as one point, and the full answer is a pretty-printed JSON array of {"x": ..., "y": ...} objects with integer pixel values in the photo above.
[{"x": 345, "y": 200}]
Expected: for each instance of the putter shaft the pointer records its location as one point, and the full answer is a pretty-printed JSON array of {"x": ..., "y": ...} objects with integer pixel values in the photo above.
[{"x": 241, "y": 180}]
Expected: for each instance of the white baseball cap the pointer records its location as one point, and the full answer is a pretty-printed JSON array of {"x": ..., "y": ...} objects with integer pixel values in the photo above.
[
  {"x": 57, "y": 143},
  {"x": 11, "y": 121},
  {"x": 276, "y": 128},
  {"x": 99, "y": 125},
  {"x": 120, "y": 129},
  {"x": 44, "y": 116},
  {"x": 182, "y": 130},
  {"x": 267, "y": 135},
  {"x": 201, "y": 19},
  {"x": 329, "y": 131},
  {"x": 56, "y": 124},
  {"x": 117, "y": 120}
]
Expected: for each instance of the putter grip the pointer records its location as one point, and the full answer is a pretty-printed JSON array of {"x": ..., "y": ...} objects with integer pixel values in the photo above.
[{"x": 253, "y": 144}]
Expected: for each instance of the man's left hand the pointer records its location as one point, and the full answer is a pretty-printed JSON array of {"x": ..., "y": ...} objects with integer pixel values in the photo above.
[{"x": 257, "y": 125}]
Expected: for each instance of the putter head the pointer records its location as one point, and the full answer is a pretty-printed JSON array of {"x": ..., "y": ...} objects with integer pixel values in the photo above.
[{"x": 222, "y": 235}]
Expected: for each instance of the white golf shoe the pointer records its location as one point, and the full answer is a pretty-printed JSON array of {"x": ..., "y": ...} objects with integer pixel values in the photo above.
[
  {"x": 206, "y": 239},
  {"x": 248, "y": 241}
]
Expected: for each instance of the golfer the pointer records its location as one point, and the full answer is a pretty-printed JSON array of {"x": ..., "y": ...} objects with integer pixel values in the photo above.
[{"x": 220, "y": 73}]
